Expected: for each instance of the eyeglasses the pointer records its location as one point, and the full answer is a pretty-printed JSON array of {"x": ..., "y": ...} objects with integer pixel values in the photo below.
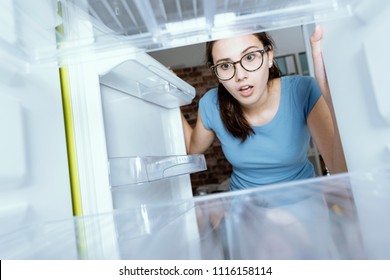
[{"x": 250, "y": 62}]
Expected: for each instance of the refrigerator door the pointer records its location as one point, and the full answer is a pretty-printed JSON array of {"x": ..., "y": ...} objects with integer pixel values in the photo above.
[
  {"x": 34, "y": 176},
  {"x": 356, "y": 59},
  {"x": 125, "y": 104},
  {"x": 143, "y": 131}
]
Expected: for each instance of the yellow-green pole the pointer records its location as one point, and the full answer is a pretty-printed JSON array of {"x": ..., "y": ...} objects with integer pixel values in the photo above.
[{"x": 70, "y": 142}]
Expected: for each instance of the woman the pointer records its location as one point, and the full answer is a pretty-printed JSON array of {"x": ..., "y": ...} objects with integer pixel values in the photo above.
[{"x": 264, "y": 121}]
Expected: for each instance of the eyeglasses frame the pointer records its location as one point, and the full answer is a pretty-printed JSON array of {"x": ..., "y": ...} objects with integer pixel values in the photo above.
[{"x": 262, "y": 52}]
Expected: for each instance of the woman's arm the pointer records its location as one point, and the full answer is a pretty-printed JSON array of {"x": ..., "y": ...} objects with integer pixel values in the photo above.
[
  {"x": 197, "y": 139},
  {"x": 322, "y": 120}
]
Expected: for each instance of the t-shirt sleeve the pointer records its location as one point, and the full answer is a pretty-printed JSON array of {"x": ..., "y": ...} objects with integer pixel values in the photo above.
[
  {"x": 308, "y": 94},
  {"x": 208, "y": 108}
]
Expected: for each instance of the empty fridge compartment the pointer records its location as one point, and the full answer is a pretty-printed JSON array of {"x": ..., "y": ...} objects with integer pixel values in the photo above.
[{"x": 134, "y": 170}]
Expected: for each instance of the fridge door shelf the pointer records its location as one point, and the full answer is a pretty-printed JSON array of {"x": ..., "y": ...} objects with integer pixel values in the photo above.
[
  {"x": 152, "y": 82},
  {"x": 135, "y": 170},
  {"x": 164, "y": 94}
]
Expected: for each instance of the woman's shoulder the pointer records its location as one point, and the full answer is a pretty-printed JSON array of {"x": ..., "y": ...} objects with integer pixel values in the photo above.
[
  {"x": 211, "y": 95},
  {"x": 302, "y": 90},
  {"x": 297, "y": 80},
  {"x": 208, "y": 108}
]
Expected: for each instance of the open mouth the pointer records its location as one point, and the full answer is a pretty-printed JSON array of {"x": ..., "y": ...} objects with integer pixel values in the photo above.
[{"x": 245, "y": 90}]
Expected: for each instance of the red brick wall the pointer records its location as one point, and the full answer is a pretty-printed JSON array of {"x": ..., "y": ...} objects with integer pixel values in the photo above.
[{"x": 218, "y": 169}]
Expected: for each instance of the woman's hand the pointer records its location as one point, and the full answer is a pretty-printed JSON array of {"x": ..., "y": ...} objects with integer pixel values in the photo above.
[{"x": 315, "y": 41}]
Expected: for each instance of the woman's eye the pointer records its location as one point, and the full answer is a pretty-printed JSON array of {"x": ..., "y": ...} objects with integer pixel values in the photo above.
[
  {"x": 250, "y": 57},
  {"x": 225, "y": 66}
]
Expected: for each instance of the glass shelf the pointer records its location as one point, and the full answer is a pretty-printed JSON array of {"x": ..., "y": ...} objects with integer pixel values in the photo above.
[
  {"x": 336, "y": 217},
  {"x": 167, "y": 23},
  {"x": 135, "y": 170},
  {"x": 87, "y": 26}
]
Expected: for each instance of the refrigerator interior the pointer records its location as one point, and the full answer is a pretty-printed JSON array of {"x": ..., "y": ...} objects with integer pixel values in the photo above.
[{"x": 98, "y": 41}]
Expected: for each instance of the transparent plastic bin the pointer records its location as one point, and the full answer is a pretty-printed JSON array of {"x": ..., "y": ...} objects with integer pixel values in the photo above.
[
  {"x": 135, "y": 170},
  {"x": 336, "y": 217}
]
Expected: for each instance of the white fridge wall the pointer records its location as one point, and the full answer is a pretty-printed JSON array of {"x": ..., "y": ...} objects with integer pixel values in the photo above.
[
  {"x": 34, "y": 177},
  {"x": 354, "y": 50}
]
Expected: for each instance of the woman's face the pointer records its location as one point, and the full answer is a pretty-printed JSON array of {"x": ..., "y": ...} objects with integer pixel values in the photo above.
[{"x": 247, "y": 87}]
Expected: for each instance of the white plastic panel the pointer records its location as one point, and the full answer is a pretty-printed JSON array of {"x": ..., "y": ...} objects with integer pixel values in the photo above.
[
  {"x": 34, "y": 174},
  {"x": 13, "y": 160},
  {"x": 7, "y": 20},
  {"x": 375, "y": 46},
  {"x": 13, "y": 214}
]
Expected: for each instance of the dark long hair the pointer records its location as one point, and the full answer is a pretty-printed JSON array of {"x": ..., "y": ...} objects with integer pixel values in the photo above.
[{"x": 230, "y": 110}]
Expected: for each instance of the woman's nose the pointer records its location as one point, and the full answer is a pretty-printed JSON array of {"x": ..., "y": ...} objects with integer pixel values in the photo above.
[{"x": 241, "y": 73}]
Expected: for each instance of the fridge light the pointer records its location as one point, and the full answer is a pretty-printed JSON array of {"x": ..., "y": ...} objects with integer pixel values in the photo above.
[
  {"x": 186, "y": 25},
  {"x": 221, "y": 20}
]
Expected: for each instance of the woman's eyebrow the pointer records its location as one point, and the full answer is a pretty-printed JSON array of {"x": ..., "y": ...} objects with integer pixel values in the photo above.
[
  {"x": 244, "y": 51},
  {"x": 248, "y": 48}
]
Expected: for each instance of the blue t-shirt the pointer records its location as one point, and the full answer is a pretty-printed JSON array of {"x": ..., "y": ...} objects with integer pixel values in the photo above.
[{"x": 277, "y": 152}]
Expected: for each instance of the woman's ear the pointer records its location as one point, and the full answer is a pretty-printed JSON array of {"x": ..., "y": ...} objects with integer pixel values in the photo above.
[{"x": 270, "y": 58}]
